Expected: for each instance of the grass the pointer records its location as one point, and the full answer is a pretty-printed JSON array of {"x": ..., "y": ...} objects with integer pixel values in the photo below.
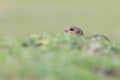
[{"x": 58, "y": 57}]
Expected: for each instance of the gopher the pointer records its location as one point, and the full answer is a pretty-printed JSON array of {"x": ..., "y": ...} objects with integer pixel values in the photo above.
[{"x": 79, "y": 32}]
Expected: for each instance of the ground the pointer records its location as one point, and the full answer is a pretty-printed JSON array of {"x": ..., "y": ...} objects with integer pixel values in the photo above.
[{"x": 57, "y": 57}]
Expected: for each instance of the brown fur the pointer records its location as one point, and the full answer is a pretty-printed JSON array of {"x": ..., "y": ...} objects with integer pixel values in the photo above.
[{"x": 79, "y": 32}]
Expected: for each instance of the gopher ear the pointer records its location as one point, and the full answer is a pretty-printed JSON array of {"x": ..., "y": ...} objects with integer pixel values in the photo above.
[{"x": 82, "y": 32}]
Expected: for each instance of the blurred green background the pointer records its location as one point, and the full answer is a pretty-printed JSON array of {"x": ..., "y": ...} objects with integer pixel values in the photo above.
[{"x": 21, "y": 17}]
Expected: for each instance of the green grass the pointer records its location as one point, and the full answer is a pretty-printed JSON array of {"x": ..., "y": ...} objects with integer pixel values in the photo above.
[{"x": 57, "y": 57}]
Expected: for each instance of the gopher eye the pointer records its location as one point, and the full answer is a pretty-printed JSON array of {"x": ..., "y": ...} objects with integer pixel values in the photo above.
[{"x": 71, "y": 29}]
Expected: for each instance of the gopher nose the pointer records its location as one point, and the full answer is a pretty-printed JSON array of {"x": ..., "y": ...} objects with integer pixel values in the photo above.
[{"x": 65, "y": 31}]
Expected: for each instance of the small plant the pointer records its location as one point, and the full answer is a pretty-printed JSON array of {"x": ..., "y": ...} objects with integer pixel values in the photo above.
[{"x": 58, "y": 57}]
